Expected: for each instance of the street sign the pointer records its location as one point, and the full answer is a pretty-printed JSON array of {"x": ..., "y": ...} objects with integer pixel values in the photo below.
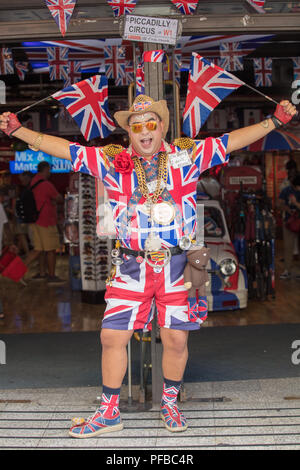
[{"x": 150, "y": 29}]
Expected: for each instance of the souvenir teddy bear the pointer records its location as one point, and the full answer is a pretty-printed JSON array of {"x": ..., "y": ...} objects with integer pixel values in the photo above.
[{"x": 195, "y": 281}]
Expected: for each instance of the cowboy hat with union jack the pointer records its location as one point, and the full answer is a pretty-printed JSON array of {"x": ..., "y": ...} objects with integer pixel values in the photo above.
[{"x": 144, "y": 104}]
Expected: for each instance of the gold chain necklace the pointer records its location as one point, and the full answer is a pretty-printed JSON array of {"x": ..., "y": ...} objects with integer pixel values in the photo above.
[{"x": 162, "y": 175}]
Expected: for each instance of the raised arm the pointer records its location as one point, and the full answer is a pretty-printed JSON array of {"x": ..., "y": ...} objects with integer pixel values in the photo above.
[
  {"x": 52, "y": 145},
  {"x": 240, "y": 138}
]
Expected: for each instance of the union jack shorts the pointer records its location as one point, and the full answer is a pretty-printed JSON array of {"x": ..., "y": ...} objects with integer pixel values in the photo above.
[{"x": 137, "y": 289}]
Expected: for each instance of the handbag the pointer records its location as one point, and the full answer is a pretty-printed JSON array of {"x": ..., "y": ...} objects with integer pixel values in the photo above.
[
  {"x": 12, "y": 266},
  {"x": 293, "y": 222}
]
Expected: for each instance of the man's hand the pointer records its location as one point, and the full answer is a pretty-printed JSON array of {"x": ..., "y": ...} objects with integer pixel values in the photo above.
[
  {"x": 285, "y": 111},
  {"x": 9, "y": 123}
]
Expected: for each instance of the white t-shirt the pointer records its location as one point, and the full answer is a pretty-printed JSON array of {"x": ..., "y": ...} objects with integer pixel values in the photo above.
[{"x": 3, "y": 220}]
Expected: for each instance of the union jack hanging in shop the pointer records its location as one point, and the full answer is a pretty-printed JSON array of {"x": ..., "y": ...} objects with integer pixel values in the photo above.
[
  {"x": 296, "y": 64},
  {"x": 58, "y": 63},
  {"x": 87, "y": 103},
  {"x": 21, "y": 68},
  {"x": 74, "y": 73},
  {"x": 208, "y": 85},
  {"x": 114, "y": 59},
  {"x": 186, "y": 7},
  {"x": 122, "y": 7},
  {"x": 231, "y": 56},
  {"x": 61, "y": 10},
  {"x": 6, "y": 61},
  {"x": 263, "y": 71}
]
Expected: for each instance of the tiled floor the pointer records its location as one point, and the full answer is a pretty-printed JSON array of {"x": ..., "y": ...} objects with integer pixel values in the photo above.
[{"x": 258, "y": 414}]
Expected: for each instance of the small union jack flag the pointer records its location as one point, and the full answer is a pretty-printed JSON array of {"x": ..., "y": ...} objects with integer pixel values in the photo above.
[
  {"x": 296, "y": 64},
  {"x": 21, "y": 68},
  {"x": 263, "y": 71},
  {"x": 87, "y": 102},
  {"x": 231, "y": 56},
  {"x": 74, "y": 73},
  {"x": 154, "y": 56},
  {"x": 122, "y": 7},
  {"x": 140, "y": 80},
  {"x": 186, "y": 7},
  {"x": 114, "y": 58},
  {"x": 208, "y": 85},
  {"x": 6, "y": 61},
  {"x": 58, "y": 63},
  {"x": 61, "y": 10}
]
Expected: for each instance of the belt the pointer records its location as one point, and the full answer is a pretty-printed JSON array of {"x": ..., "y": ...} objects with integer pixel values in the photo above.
[{"x": 175, "y": 250}]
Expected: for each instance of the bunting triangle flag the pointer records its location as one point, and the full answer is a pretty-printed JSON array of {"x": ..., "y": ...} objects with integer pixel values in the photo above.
[
  {"x": 258, "y": 5},
  {"x": 61, "y": 10},
  {"x": 186, "y": 7},
  {"x": 122, "y": 7}
]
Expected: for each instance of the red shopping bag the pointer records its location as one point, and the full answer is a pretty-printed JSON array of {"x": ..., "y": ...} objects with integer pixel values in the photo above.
[{"x": 12, "y": 266}]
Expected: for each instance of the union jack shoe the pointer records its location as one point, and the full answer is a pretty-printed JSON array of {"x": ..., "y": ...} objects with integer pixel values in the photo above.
[
  {"x": 105, "y": 419},
  {"x": 173, "y": 419}
]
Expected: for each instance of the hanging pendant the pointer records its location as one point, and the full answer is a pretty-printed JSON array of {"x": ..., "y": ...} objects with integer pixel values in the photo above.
[
  {"x": 153, "y": 242},
  {"x": 185, "y": 243}
]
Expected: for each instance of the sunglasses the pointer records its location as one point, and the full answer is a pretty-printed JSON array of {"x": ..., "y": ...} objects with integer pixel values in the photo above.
[{"x": 137, "y": 127}]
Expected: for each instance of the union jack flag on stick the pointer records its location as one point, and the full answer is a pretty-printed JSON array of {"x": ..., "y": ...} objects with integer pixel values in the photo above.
[
  {"x": 154, "y": 56},
  {"x": 122, "y": 7},
  {"x": 61, "y": 10},
  {"x": 208, "y": 85},
  {"x": 186, "y": 7},
  {"x": 58, "y": 63},
  {"x": 87, "y": 102},
  {"x": 6, "y": 61}
]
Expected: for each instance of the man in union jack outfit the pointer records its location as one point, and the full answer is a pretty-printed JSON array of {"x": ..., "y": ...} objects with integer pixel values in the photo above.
[{"x": 152, "y": 191}]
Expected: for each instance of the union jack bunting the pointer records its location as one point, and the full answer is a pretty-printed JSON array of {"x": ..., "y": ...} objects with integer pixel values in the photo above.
[
  {"x": 61, "y": 10},
  {"x": 231, "y": 56},
  {"x": 186, "y": 7},
  {"x": 21, "y": 68},
  {"x": 58, "y": 63},
  {"x": 208, "y": 85},
  {"x": 258, "y": 5},
  {"x": 263, "y": 71},
  {"x": 114, "y": 59},
  {"x": 74, "y": 73},
  {"x": 140, "y": 80},
  {"x": 122, "y": 7},
  {"x": 6, "y": 61},
  {"x": 296, "y": 64},
  {"x": 87, "y": 102}
]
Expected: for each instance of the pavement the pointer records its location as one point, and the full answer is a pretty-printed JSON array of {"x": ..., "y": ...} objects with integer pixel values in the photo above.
[{"x": 262, "y": 414}]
